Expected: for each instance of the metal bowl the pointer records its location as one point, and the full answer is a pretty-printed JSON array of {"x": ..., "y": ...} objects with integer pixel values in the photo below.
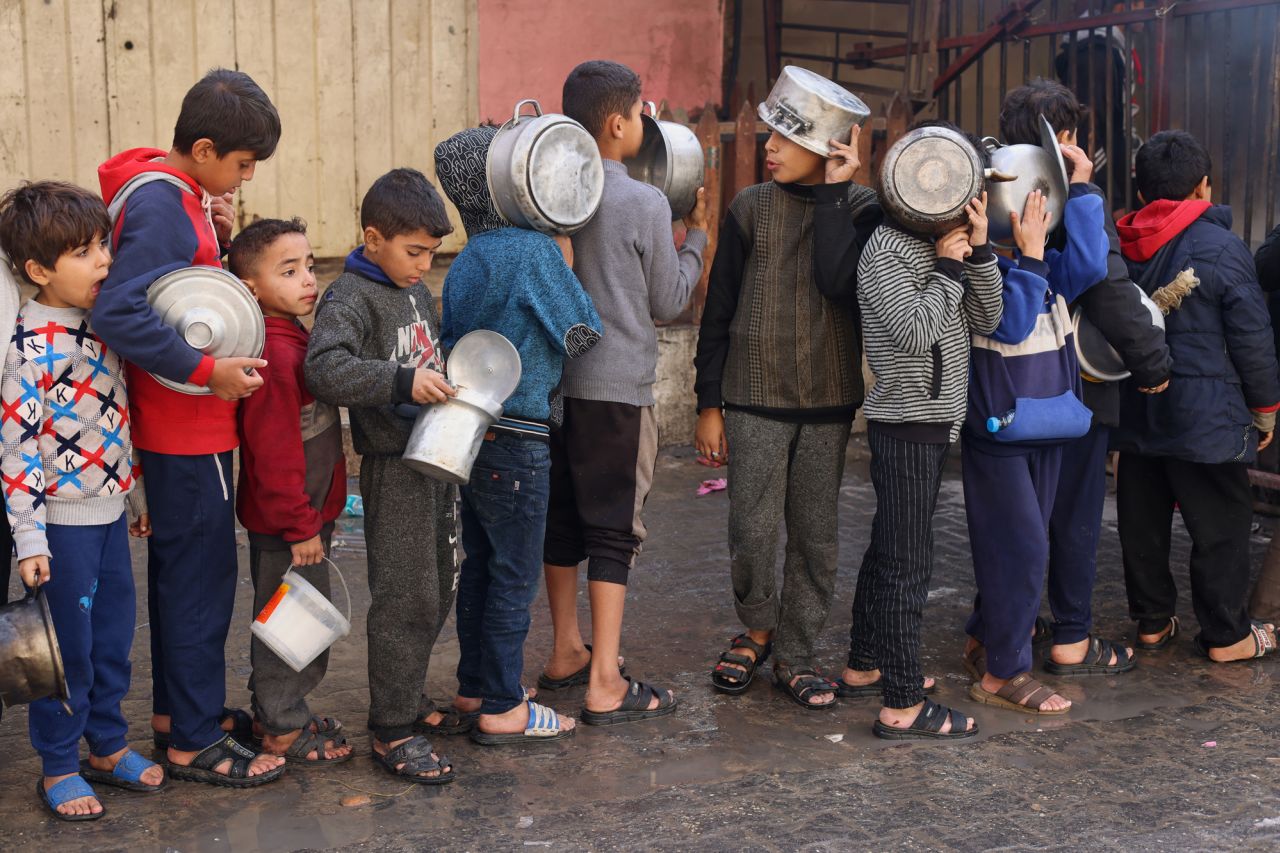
[
  {"x": 671, "y": 159},
  {"x": 810, "y": 110},
  {"x": 1097, "y": 357}
]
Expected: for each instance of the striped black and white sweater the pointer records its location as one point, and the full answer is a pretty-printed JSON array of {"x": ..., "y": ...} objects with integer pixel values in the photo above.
[{"x": 918, "y": 313}]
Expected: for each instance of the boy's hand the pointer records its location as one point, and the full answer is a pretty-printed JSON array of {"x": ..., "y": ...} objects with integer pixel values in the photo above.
[
  {"x": 843, "y": 161},
  {"x": 1031, "y": 229},
  {"x": 566, "y": 248},
  {"x": 236, "y": 378},
  {"x": 308, "y": 553},
  {"x": 1264, "y": 441},
  {"x": 977, "y": 211},
  {"x": 697, "y": 218},
  {"x": 142, "y": 527},
  {"x": 34, "y": 570},
  {"x": 709, "y": 438},
  {"x": 431, "y": 387},
  {"x": 1158, "y": 389},
  {"x": 954, "y": 244},
  {"x": 1081, "y": 166},
  {"x": 224, "y": 214}
]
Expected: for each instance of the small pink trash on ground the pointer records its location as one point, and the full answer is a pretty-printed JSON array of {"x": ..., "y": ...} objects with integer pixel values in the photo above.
[
  {"x": 709, "y": 486},
  {"x": 1209, "y": 744}
]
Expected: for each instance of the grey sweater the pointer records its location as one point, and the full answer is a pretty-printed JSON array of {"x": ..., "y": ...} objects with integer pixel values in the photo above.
[{"x": 628, "y": 265}]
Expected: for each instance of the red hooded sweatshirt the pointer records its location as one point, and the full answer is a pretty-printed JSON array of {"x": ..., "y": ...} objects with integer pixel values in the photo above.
[
  {"x": 1144, "y": 232},
  {"x": 162, "y": 227}
]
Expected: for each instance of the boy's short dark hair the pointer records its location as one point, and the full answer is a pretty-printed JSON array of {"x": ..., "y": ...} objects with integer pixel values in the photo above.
[
  {"x": 403, "y": 201},
  {"x": 232, "y": 111},
  {"x": 1020, "y": 113},
  {"x": 596, "y": 90},
  {"x": 1171, "y": 164},
  {"x": 250, "y": 243},
  {"x": 41, "y": 221}
]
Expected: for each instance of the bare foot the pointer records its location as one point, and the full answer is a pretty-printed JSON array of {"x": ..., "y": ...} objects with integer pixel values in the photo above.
[
  {"x": 261, "y": 763},
  {"x": 1072, "y": 653},
  {"x": 863, "y": 677},
  {"x": 991, "y": 684},
  {"x": 1243, "y": 650},
  {"x": 603, "y": 698},
  {"x": 469, "y": 705},
  {"x": 902, "y": 718},
  {"x": 566, "y": 662},
  {"x": 825, "y": 697},
  {"x": 515, "y": 721},
  {"x": 78, "y": 806},
  {"x": 279, "y": 745},
  {"x": 153, "y": 775},
  {"x": 383, "y": 748}
]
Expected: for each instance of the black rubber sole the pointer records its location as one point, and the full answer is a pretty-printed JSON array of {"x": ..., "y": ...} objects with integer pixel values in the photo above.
[
  {"x": 1076, "y": 670},
  {"x": 442, "y": 779},
  {"x": 104, "y": 777},
  {"x": 618, "y": 718},
  {"x": 880, "y": 730},
  {"x": 517, "y": 738},
  {"x": 786, "y": 691},
  {"x": 209, "y": 777},
  {"x": 464, "y": 727}
]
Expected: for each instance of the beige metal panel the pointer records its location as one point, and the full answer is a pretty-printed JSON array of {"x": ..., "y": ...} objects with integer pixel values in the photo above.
[
  {"x": 51, "y": 117},
  {"x": 88, "y": 91},
  {"x": 372, "y": 73},
  {"x": 255, "y": 45},
  {"x": 131, "y": 107},
  {"x": 334, "y": 100},
  {"x": 215, "y": 34},
  {"x": 299, "y": 164},
  {"x": 15, "y": 150},
  {"x": 173, "y": 64}
]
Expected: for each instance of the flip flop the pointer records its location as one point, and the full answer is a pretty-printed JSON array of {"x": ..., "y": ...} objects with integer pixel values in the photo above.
[
  {"x": 127, "y": 774},
  {"x": 543, "y": 726},
  {"x": 71, "y": 788}
]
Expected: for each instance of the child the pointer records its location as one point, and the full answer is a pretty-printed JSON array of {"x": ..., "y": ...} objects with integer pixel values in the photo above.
[
  {"x": 785, "y": 365},
  {"x": 374, "y": 349},
  {"x": 293, "y": 481},
  {"x": 1114, "y": 307},
  {"x": 920, "y": 300},
  {"x": 171, "y": 210},
  {"x": 1191, "y": 446},
  {"x": 10, "y": 298},
  {"x": 515, "y": 282},
  {"x": 68, "y": 473},
  {"x": 603, "y": 454},
  {"x": 1024, "y": 405}
]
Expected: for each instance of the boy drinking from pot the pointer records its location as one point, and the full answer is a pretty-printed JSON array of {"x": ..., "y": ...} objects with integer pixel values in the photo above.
[
  {"x": 68, "y": 473},
  {"x": 293, "y": 482},
  {"x": 374, "y": 348}
]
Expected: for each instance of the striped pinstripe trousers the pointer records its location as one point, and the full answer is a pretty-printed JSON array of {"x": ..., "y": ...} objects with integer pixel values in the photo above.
[{"x": 893, "y": 582}]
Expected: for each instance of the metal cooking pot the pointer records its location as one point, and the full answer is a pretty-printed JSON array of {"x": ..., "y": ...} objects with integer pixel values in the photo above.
[
  {"x": 544, "y": 172},
  {"x": 30, "y": 661},
  {"x": 670, "y": 159},
  {"x": 1098, "y": 358},
  {"x": 1037, "y": 167},
  {"x": 929, "y": 176},
  {"x": 485, "y": 368},
  {"x": 809, "y": 109},
  {"x": 213, "y": 311}
]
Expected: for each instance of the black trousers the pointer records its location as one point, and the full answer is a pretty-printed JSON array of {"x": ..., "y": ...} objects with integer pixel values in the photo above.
[{"x": 1217, "y": 508}]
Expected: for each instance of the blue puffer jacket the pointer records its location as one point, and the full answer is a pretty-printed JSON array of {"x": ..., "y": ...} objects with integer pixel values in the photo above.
[{"x": 1224, "y": 359}]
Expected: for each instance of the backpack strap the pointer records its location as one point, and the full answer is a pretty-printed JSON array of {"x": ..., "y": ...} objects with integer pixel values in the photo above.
[{"x": 137, "y": 181}]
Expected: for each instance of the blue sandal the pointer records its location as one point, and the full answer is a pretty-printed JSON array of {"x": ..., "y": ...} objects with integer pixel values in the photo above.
[
  {"x": 127, "y": 774},
  {"x": 71, "y": 788}
]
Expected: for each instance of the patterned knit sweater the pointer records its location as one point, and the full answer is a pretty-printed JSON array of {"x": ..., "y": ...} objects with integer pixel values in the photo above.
[{"x": 65, "y": 427}]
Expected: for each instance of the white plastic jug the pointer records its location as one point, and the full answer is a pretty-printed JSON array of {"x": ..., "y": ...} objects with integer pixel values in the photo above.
[{"x": 299, "y": 623}]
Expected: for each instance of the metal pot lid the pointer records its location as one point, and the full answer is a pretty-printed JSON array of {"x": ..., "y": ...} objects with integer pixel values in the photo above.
[
  {"x": 485, "y": 363},
  {"x": 1049, "y": 141},
  {"x": 809, "y": 109},
  {"x": 213, "y": 311},
  {"x": 566, "y": 177},
  {"x": 933, "y": 172}
]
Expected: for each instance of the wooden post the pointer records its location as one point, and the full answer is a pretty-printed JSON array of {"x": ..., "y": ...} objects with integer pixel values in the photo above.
[
  {"x": 744, "y": 151},
  {"x": 865, "y": 174},
  {"x": 708, "y": 131}
]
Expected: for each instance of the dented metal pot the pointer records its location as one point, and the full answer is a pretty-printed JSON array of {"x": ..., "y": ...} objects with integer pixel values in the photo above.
[
  {"x": 1036, "y": 167},
  {"x": 670, "y": 159},
  {"x": 811, "y": 110},
  {"x": 30, "y": 660}
]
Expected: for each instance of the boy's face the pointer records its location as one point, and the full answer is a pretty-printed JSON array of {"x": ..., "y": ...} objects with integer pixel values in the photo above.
[
  {"x": 405, "y": 258},
  {"x": 223, "y": 174},
  {"x": 789, "y": 163},
  {"x": 632, "y": 130},
  {"x": 76, "y": 277},
  {"x": 283, "y": 277}
]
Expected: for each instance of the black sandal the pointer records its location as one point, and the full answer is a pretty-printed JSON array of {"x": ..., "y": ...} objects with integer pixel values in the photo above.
[
  {"x": 241, "y": 728},
  {"x": 308, "y": 742},
  {"x": 928, "y": 725},
  {"x": 1097, "y": 661},
  {"x": 201, "y": 768},
  {"x": 844, "y": 690},
  {"x": 807, "y": 683},
  {"x": 1264, "y": 642},
  {"x": 634, "y": 707},
  {"x": 1170, "y": 632},
  {"x": 452, "y": 722},
  {"x": 415, "y": 755},
  {"x": 728, "y": 666},
  {"x": 577, "y": 679}
]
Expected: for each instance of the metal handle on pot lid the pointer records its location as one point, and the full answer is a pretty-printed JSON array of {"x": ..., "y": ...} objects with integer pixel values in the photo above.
[{"x": 515, "y": 116}]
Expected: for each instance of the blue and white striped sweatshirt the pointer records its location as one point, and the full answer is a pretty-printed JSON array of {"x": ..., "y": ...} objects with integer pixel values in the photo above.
[{"x": 1032, "y": 352}]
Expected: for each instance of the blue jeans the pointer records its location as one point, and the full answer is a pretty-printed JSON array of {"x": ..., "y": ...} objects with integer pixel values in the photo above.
[{"x": 504, "y": 516}]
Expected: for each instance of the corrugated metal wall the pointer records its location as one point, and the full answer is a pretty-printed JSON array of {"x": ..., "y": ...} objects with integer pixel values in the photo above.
[{"x": 362, "y": 86}]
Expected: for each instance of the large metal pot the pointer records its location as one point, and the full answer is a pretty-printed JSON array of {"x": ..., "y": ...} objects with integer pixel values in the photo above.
[
  {"x": 544, "y": 172},
  {"x": 928, "y": 178},
  {"x": 810, "y": 110},
  {"x": 213, "y": 311},
  {"x": 1098, "y": 358},
  {"x": 670, "y": 159},
  {"x": 1036, "y": 167},
  {"x": 30, "y": 661}
]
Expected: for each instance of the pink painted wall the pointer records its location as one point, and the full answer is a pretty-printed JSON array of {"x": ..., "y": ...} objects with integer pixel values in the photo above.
[{"x": 528, "y": 47}]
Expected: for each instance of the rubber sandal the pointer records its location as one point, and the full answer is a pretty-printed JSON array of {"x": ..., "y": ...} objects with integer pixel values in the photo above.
[
  {"x": 928, "y": 725},
  {"x": 1020, "y": 693},
  {"x": 810, "y": 682},
  {"x": 1169, "y": 634},
  {"x": 71, "y": 788},
  {"x": 577, "y": 679},
  {"x": 308, "y": 742},
  {"x": 1264, "y": 643},
  {"x": 844, "y": 690},
  {"x": 544, "y": 725},
  {"x": 728, "y": 675},
  {"x": 975, "y": 662},
  {"x": 127, "y": 774},
  {"x": 415, "y": 755},
  {"x": 634, "y": 707},
  {"x": 452, "y": 722},
  {"x": 241, "y": 729},
  {"x": 201, "y": 767},
  {"x": 1096, "y": 661}
]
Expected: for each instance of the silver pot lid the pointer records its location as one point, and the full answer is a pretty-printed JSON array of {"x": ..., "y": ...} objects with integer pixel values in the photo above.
[
  {"x": 566, "y": 177},
  {"x": 928, "y": 177},
  {"x": 213, "y": 311},
  {"x": 809, "y": 109},
  {"x": 486, "y": 364}
]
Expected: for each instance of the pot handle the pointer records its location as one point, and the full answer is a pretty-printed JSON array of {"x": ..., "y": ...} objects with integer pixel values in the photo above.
[
  {"x": 653, "y": 108},
  {"x": 991, "y": 144},
  {"x": 996, "y": 176},
  {"x": 537, "y": 109}
]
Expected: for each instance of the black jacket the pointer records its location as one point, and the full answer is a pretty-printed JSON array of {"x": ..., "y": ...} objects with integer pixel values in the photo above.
[{"x": 1267, "y": 262}]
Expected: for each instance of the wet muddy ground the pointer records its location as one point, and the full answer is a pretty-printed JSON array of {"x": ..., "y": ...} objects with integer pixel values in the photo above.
[{"x": 1134, "y": 765}]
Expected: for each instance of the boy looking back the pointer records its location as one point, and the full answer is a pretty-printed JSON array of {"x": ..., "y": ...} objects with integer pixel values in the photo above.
[{"x": 171, "y": 211}]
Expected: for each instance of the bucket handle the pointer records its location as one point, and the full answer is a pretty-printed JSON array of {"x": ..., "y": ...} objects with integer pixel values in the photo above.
[
  {"x": 341, "y": 580},
  {"x": 537, "y": 109}
]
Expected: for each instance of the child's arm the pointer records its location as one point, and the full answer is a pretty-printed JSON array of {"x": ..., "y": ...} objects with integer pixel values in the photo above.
[
  {"x": 723, "y": 288},
  {"x": 335, "y": 371},
  {"x": 1023, "y": 291},
  {"x": 1246, "y": 326},
  {"x": 890, "y": 291},
  {"x": 670, "y": 274},
  {"x": 983, "y": 303},
  {"x": 556, "y": 298},
  {"x": 1082, "y": 263},
  {"x": 22, "y": 391},
  {"x": 839, "y": 237}
]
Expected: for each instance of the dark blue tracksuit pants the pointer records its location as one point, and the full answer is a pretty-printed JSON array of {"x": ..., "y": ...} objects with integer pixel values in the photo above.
[
  {"x": 1008, "y": 501},
  {"x": 1074, "y": 528},
  {"x": 191, "y": 587},
  {"x": 90, "y": 595}
]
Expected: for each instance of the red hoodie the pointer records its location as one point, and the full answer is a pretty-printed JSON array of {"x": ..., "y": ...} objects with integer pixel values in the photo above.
[
  {"x": 1144, "y": 232},
  {"x": 162, "y": 228}
]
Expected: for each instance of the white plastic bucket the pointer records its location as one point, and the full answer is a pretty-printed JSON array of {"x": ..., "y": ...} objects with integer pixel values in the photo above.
[{"x": 299, "y": 623}]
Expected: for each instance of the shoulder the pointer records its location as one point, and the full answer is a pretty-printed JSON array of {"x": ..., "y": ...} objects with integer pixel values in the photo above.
[{"x": 346, "y": 294}]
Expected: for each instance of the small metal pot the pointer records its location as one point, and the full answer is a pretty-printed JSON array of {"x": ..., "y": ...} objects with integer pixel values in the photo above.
[
  {"x": 810, "y": 110},
  {"x": 928, "y": 178},
  {"x": 544, "y": 172},
  {"x": 30, "y": 661},
  {"x": 1037, "y": 167},
  {"x": 671, "y": 159},
  {"x": 1098, "y": 358}
]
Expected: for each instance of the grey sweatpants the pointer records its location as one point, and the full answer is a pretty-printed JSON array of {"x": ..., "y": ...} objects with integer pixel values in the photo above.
[
  {"x": 279, "y": 693},
  {"x": 410, "y": 529},
  {"x": 784, "y": 472}
]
